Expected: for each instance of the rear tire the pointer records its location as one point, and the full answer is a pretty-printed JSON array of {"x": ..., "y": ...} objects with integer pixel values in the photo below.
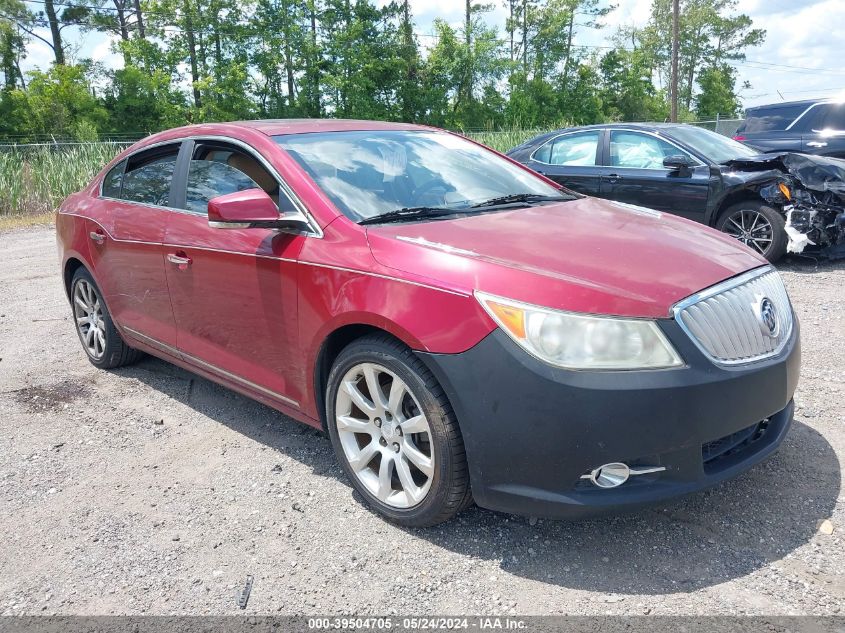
[
  {"x": 402, "y": 450},
  {"x": 100, "y": 339},
  {"x": 756, "y": 225}
]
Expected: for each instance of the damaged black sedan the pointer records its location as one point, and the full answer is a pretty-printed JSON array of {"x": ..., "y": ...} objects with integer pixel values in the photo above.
[
  {"x": 809, "y": 191},
  {"x": 772, "y": 203}
]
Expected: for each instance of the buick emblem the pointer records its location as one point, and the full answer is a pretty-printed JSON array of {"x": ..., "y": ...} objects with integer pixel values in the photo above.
[{"x": 767, "y": 315}]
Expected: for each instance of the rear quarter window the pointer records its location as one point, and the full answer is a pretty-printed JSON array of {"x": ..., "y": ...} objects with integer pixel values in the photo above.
[
  {"x": 771, "y": 119},
  {"x": 112, "y": 181}
]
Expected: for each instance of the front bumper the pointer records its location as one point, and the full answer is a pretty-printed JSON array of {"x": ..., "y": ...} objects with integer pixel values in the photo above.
[{"x": 532, "y": 430}]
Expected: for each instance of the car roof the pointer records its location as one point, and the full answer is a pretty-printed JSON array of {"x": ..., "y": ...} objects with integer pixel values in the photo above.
[
  {"x": 273, "y": 127},
  {"x": 785, "y": 104},
  {"x": 267, "y": 128},
  {"x": 646, "y": 127}
]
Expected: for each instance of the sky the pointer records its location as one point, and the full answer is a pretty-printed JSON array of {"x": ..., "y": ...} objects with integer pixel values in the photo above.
[{"x": 801, "y": 57}]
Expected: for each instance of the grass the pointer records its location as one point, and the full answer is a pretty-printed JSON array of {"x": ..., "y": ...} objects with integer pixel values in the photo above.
[
  {"x": 34, "y": 180},
  {"x": 8, "y": 222},
  {"x": 504, "y": 140}
]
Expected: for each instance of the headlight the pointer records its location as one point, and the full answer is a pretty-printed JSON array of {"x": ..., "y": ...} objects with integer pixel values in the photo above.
[{"x": 580, "y": 341}]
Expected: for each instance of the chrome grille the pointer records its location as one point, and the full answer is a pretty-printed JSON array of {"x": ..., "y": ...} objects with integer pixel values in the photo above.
[{"x": 726, "y": 323}]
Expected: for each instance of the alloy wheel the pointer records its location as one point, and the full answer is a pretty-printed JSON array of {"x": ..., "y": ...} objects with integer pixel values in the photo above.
[
  {"x": 88, "y": 312},
  {"x": 385, "y": 436},
  {"x": 751, "y": 228}
]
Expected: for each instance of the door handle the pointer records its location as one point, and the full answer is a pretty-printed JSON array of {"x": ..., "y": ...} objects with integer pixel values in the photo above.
[
  {"x": 817, "y": 144},
  {"x": 97, "y": 236},
  {"x": 180, "y": 259},
  {"x": 613, "y": 178}
]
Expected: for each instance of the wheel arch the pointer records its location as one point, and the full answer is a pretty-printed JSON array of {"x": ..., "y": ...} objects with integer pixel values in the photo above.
[
  {"x": 333, "y": 344},
  {"x": 71, "y": 266},
  {"x": 735, "y": 197}
]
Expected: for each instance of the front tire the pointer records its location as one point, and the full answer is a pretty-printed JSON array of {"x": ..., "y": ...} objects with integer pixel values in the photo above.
[
  {"x": 100, "y": 339},
  {"x": 395, "y": 434},
  {"x": 756, "y": 225}
]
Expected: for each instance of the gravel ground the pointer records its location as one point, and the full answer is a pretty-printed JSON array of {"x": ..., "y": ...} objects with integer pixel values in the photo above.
[{"x": 150, "y": 490}]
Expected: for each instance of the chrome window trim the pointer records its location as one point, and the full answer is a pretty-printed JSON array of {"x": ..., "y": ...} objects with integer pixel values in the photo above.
[
  {"x": 208, "y": 366},
  {"x": 570, "y": 133},
  {"x": 317, "y": 231},
  {"x": 655, "y": 135},
  {"x": 719, "y": 288}
]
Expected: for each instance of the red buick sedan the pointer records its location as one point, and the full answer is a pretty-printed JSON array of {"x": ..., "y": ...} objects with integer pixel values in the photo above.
[{"x": 463, "y": 328}]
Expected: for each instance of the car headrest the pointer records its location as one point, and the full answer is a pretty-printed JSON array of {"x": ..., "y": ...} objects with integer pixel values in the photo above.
[{"x": 254, "y": 170}]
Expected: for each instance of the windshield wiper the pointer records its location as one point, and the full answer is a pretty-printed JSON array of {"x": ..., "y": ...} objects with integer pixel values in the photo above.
[
  {"x": 520, "y": 197},
  {"x": 409, "y": 213}
]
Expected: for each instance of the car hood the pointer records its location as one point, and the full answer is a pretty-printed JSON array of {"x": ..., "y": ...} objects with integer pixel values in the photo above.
[{"x": 586, "y": 255}]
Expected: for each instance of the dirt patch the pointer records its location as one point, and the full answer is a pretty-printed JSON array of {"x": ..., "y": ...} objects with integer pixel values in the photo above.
[{"x": 54, "y": 397}]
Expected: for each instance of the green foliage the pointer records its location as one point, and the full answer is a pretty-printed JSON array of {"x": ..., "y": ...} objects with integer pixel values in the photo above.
[
  {"x": 718, "y": 93},
  {"x": 628, "y": 93},
  {"x": 141, "y": 102},
  {"x": 215, "y": 60},
  {"x": 58, "y": 102}
]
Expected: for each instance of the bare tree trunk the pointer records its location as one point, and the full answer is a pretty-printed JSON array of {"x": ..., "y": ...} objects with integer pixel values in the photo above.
[
  {"x": 568, "y": 45},
  {"x": 55, "y": 32},
  {"x": 314, "y": 62},
  {"x": 525, "y": 38},
  {"x": 120, "y": 11},
  {"x": 468, "y": 21},
  {"x": 192, "y": 53},
  {"x": 409, "y": 90},
  {"x": 676, "y": 20},
  {"x": 139, "y": 19},
  {"x": 510, "y": 25},
  {"x": 202, "y": 52},
  {"x": 20, "y": 73},
  {"x": 288, "y": 54},
  {"x": 469, "y": 62}
]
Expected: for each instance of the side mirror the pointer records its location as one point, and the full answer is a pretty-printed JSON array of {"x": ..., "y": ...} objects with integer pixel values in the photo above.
[
  {"x": 251, "y": 209},
  {"x": 678, "y": 162}
]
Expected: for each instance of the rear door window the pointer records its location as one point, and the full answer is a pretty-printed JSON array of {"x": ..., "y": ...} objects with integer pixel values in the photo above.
[
  {"x": 208, "y": 179},
  {"x": 570, "y": 149},
  {"x": 771, "y": 119},
  {"x": 832, "y": 118},
  {"x": 148, "y": 176}
]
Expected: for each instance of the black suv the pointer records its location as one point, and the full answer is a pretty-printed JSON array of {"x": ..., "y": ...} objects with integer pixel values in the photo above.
[{"x": 811, "y": 127}]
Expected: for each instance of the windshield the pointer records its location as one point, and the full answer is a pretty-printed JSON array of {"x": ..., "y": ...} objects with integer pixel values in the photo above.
[
  {"x": 713, "y": 146},
  {"x": 369, "y": 173}
]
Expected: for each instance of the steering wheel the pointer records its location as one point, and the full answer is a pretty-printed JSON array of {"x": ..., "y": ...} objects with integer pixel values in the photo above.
[{"x": 429, "y": 185}]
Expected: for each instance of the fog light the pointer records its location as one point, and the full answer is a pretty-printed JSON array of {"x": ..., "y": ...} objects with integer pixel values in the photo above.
[
  {"x": 616, "y": 473},
  {"x": 610, "y": 475}
]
